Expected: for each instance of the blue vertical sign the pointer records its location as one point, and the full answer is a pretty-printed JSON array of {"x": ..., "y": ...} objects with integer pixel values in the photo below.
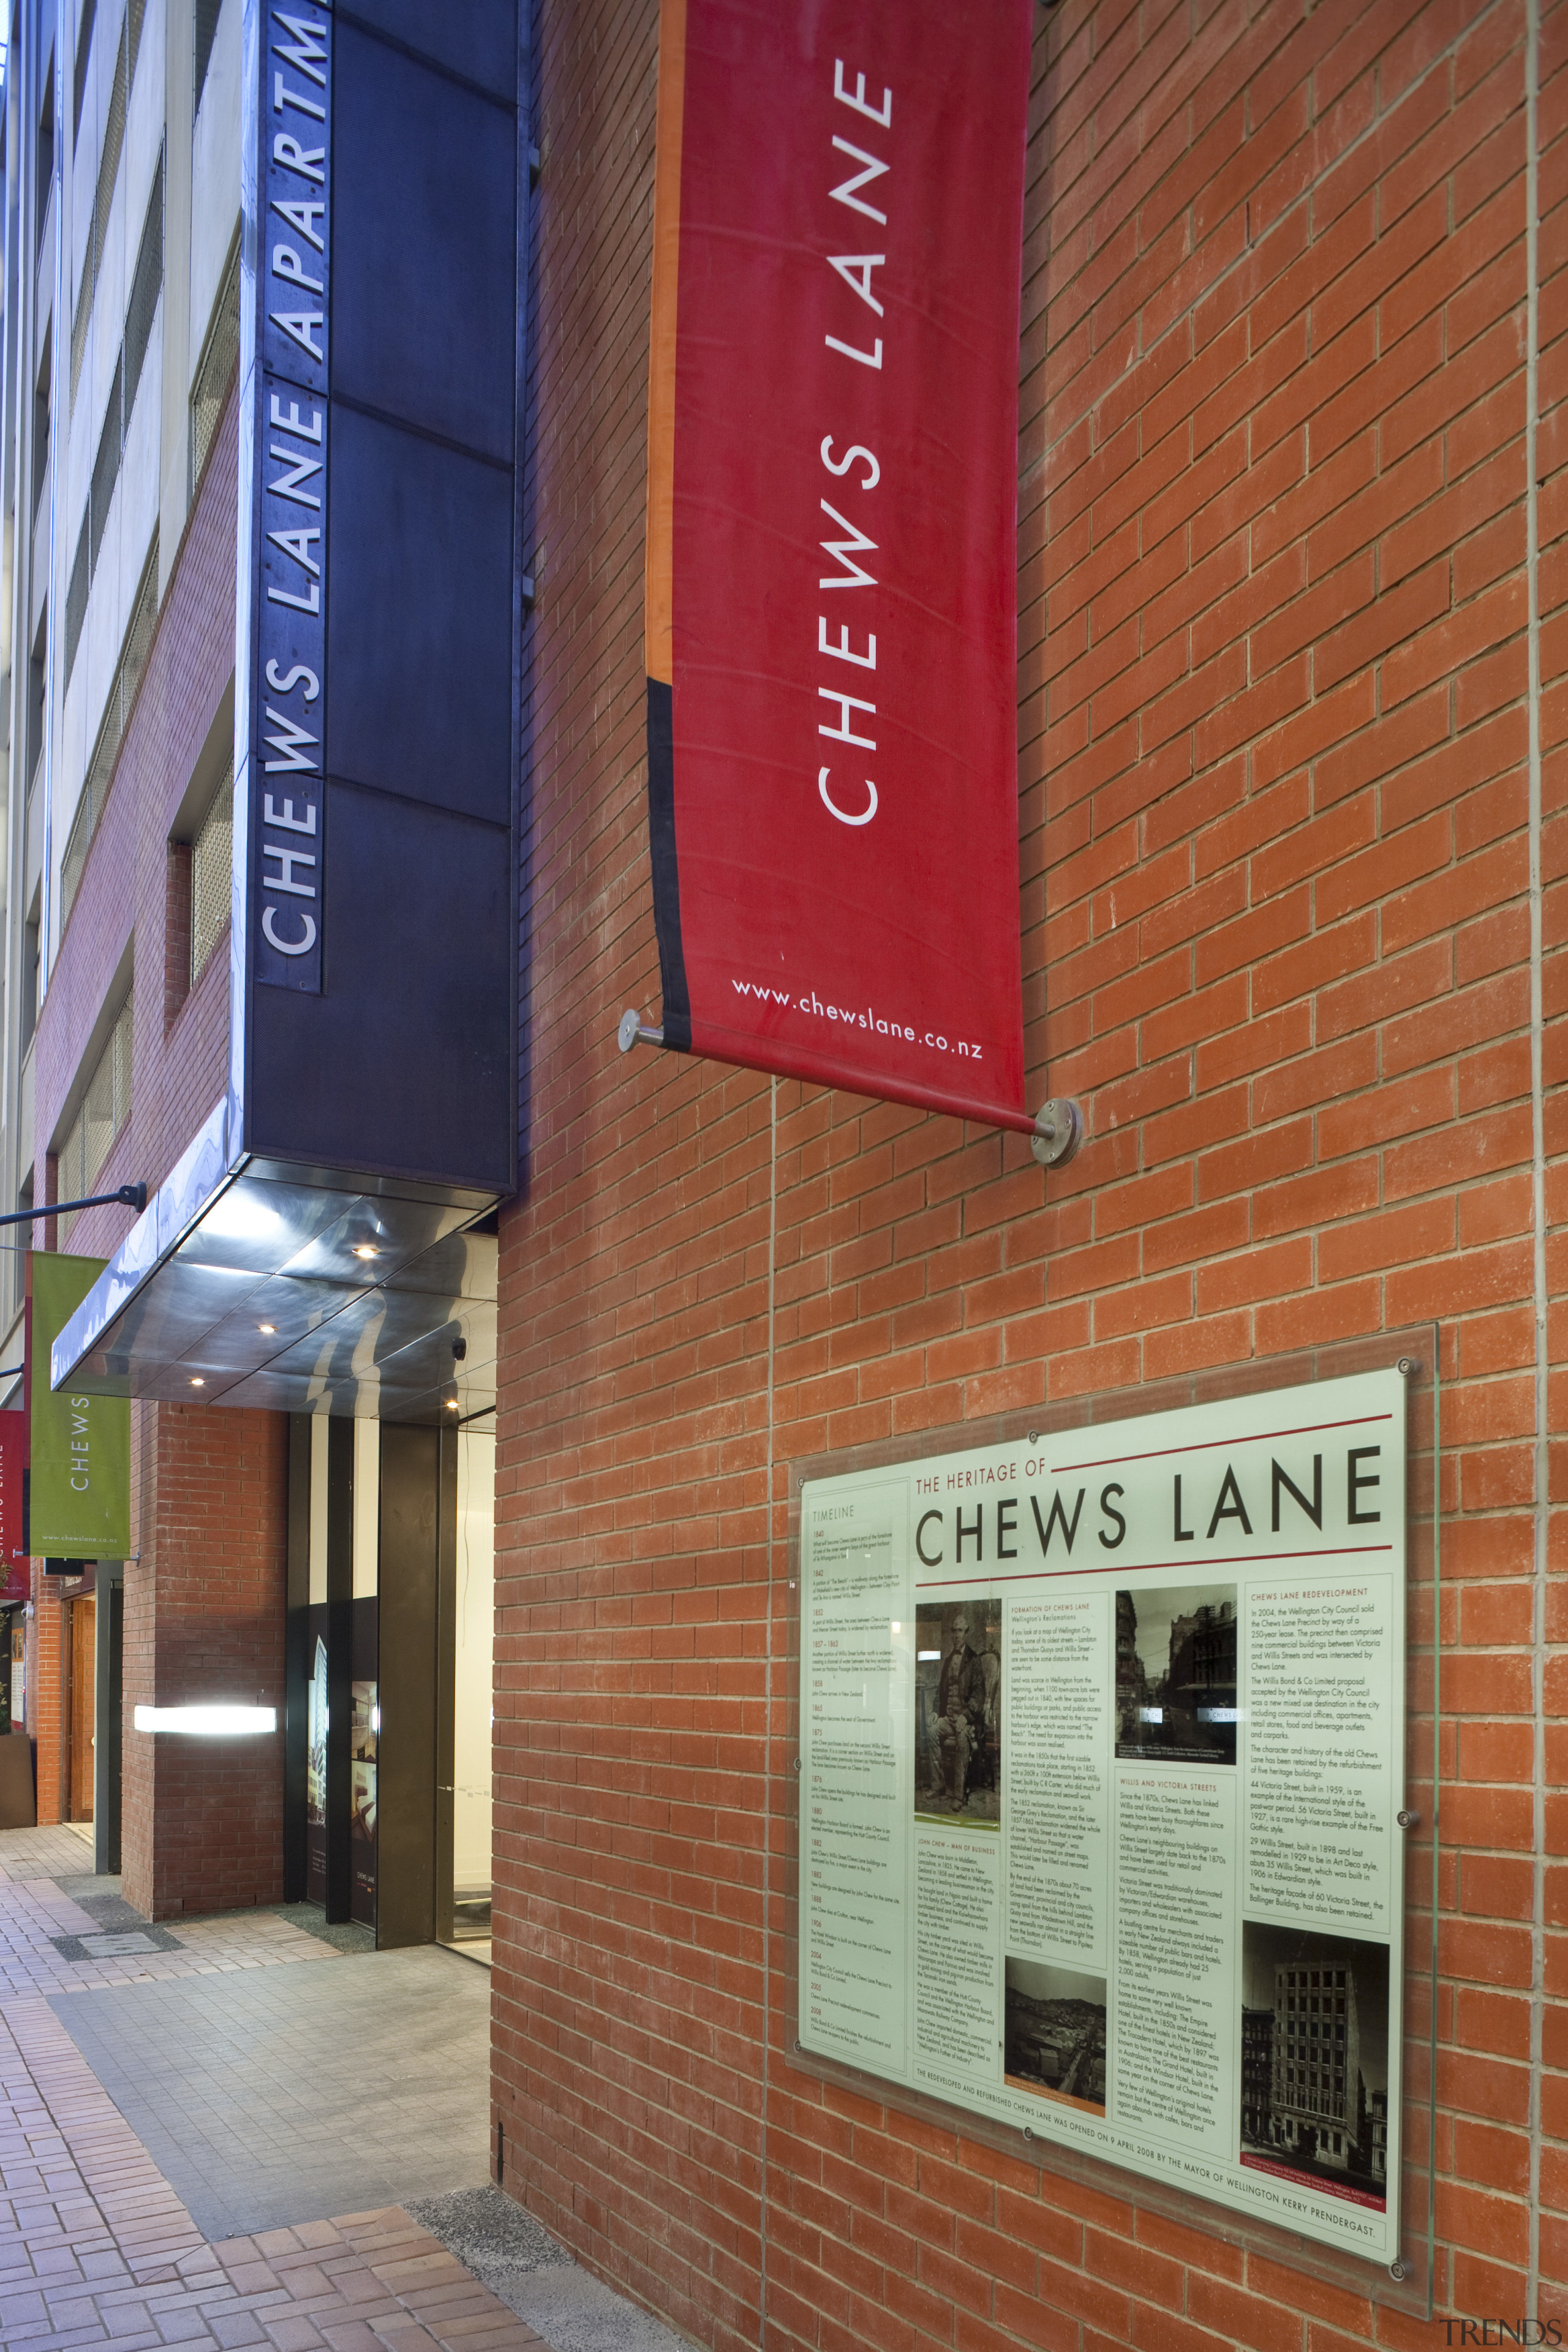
[{"x": 288, "y": 685}]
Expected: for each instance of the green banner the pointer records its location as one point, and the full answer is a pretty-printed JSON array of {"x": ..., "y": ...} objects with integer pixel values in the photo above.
[{"x": 80, "y": 1486}]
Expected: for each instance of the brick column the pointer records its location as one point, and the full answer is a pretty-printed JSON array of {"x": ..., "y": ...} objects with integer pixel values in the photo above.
[
  {"x": 202, "y": 1818},
  {"x": 46, "y": 1693}
]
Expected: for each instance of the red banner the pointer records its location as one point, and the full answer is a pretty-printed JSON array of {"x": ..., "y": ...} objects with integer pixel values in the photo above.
[
  {"x": 832, "y": 644},
  {"x": 16, "y": 1568}
]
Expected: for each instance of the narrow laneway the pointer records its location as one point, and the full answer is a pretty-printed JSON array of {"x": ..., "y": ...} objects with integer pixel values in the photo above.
[{"x": 207, "y": 2135}]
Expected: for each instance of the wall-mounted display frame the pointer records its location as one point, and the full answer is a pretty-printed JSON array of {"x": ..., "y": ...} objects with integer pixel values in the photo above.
[{"x": 1114, "y": 1734}]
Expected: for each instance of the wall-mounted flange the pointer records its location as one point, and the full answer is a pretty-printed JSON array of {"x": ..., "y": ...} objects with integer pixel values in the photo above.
[
  {"x": 1059, "y": 1131},
  {"x": 635, "y": 1031}
]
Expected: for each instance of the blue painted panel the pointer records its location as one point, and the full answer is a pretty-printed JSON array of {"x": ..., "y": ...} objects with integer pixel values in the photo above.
[
  {"x": 402, "y": 1066},
  {"x": 425, "y": 246},
  {"x": 419, "y": 626},
  {"x": 477, "y": 38}
]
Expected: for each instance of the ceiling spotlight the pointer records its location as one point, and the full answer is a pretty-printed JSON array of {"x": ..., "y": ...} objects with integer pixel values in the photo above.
[
  {"x": 268, "y": 1328},
  {"x": 198, "y": 1381},
  {"x": 451, "y": 1404},
  {"x": 366, "y": 1249}
]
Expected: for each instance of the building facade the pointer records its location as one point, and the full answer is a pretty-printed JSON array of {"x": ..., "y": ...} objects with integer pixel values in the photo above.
[{"x": 1290, "y": 708}]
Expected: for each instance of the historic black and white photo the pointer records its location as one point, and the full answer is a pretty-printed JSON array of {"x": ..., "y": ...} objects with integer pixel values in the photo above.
[
  {"x": 958, "y": 1710},
  {"x": 1055, "y": 2034},
  {"x": 1175, "y": 1673},
  {"x": 1314, "y": 2059}
]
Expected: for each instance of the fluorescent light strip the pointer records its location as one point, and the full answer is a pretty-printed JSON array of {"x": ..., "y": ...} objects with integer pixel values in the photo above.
[{"x": 208, "y": 1722}]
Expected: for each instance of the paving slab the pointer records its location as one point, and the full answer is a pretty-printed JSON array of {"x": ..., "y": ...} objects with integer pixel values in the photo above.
[{"x": 271, "y": 2096}]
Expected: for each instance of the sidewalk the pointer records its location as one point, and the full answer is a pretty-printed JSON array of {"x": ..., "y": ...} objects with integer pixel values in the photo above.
[{"x": 167, "y": 2097}]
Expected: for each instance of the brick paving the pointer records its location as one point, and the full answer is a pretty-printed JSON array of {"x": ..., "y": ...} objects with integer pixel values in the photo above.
[{"x": 97, "y": 2249}]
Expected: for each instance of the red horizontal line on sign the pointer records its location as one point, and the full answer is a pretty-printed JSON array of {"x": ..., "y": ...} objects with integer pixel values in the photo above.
[
  {"x": 1262, "y": 1438},
  {"x": 1120, "y": 1568}
]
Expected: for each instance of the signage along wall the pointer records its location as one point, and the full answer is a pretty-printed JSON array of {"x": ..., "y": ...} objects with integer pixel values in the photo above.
[
  {"x": 379, "y": 588},
  {"x": 1102, "y": 1754},
  {"x": 79, "y": 1476},
  {"x": 832, "y": 542}
]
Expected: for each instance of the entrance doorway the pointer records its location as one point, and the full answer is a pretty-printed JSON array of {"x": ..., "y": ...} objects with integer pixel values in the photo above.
[
  {"x": 473, "y": 1614},
  {"x": 81, "y": 1704},
  {"x": 389, "y": 1706}
]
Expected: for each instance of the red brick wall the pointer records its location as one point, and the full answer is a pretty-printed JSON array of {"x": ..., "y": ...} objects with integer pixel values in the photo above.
[
  {"x": 202, "y": 1818},
  {"x": 203, "y": 1603},
  {"x": 45, "y": 1664},
  {"x": 1275, "y": 723}
]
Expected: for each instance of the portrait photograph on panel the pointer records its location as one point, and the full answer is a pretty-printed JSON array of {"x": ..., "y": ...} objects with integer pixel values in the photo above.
[
  {"x": 1314, "y": 2061},
  {"x": 958, "y": 1711},
  {"x": 1055, "y": 2035},
  {"x": 1175, "y": 1674}
]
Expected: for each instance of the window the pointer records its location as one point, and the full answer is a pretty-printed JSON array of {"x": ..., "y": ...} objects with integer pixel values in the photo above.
[
  {"x": 37, "y": 677},
  {"x": 42, "y": 426},
  {"x": 30, "y": 933},
  {"x": 121, "y": 694},
  {"x": 105, "y": 1107},
  {"x": 44, "y": 176},
  {"x": 207, "y": 13},
  {"x": 214, "y": 370},
  {"x": 145, "y": 287},
  {"x": 212, "y": 873},
  {"x": 108, "y": 169},
  {"x": 83, "y": 59}
]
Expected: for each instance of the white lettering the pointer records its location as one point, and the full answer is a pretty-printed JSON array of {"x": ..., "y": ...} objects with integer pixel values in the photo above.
[
  {"x": 287, "y": 859},
  {"x": 298, "y": 543},
  {"x": 301, "y": 469},
  {"x": 301, "y": 212},
  {"x": 286, "y": 263},
  {"x": 846, "y": 703},
  {"x": 842, "y": 814},
  {"x": 871, "y": 359},
  {"x": 840, "y": 652},
  {"x": 844, "y": 195},
  {"x": 844, "y": 462},
  {"x": 291, "y": 423},
  {"x": 297, "y": 326},
  {"x": 282, "y": 96},
  {"x": 288, "y": 744},
  {"x": 308, "y": 161},
  {"x": 289, "y": 947},
  {"x": 845, "y": 551},
  {"x": 855, "y": 268},
  {"x": 286, "y": 685},
  {"x": 309, "y": 51},
  {"x": 858, "y": 102},
  {"x": 271, "y": 813}
]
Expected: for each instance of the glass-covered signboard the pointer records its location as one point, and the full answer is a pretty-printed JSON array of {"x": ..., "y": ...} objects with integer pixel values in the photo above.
[{"x": 1102, "y": 1770}]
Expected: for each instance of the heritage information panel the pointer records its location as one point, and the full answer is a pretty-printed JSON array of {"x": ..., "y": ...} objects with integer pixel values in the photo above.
[{"x": 1101, "y": 1755}]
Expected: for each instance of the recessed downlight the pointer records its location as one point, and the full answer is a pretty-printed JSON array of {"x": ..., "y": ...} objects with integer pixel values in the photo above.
[
  {"x": 268, "y": 1328},
  {"x": 198, "y": 1381},
  {"x": 366, "y": 1249}
]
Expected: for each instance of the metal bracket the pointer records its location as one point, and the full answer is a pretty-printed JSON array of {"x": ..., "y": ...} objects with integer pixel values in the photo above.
[
  {"x": 635, "y": 1031},
  {"x": 1059, "y": 1131}
]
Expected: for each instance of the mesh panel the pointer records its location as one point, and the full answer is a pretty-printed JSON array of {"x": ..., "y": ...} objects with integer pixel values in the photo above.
[
  {"x": 217, "y": 364},
  {"x": 145, "y": 287},
  {"x": 106, "y": 751},
  {"x": 105, "y": 1107},
  {"x": 212, "y": 875}
]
